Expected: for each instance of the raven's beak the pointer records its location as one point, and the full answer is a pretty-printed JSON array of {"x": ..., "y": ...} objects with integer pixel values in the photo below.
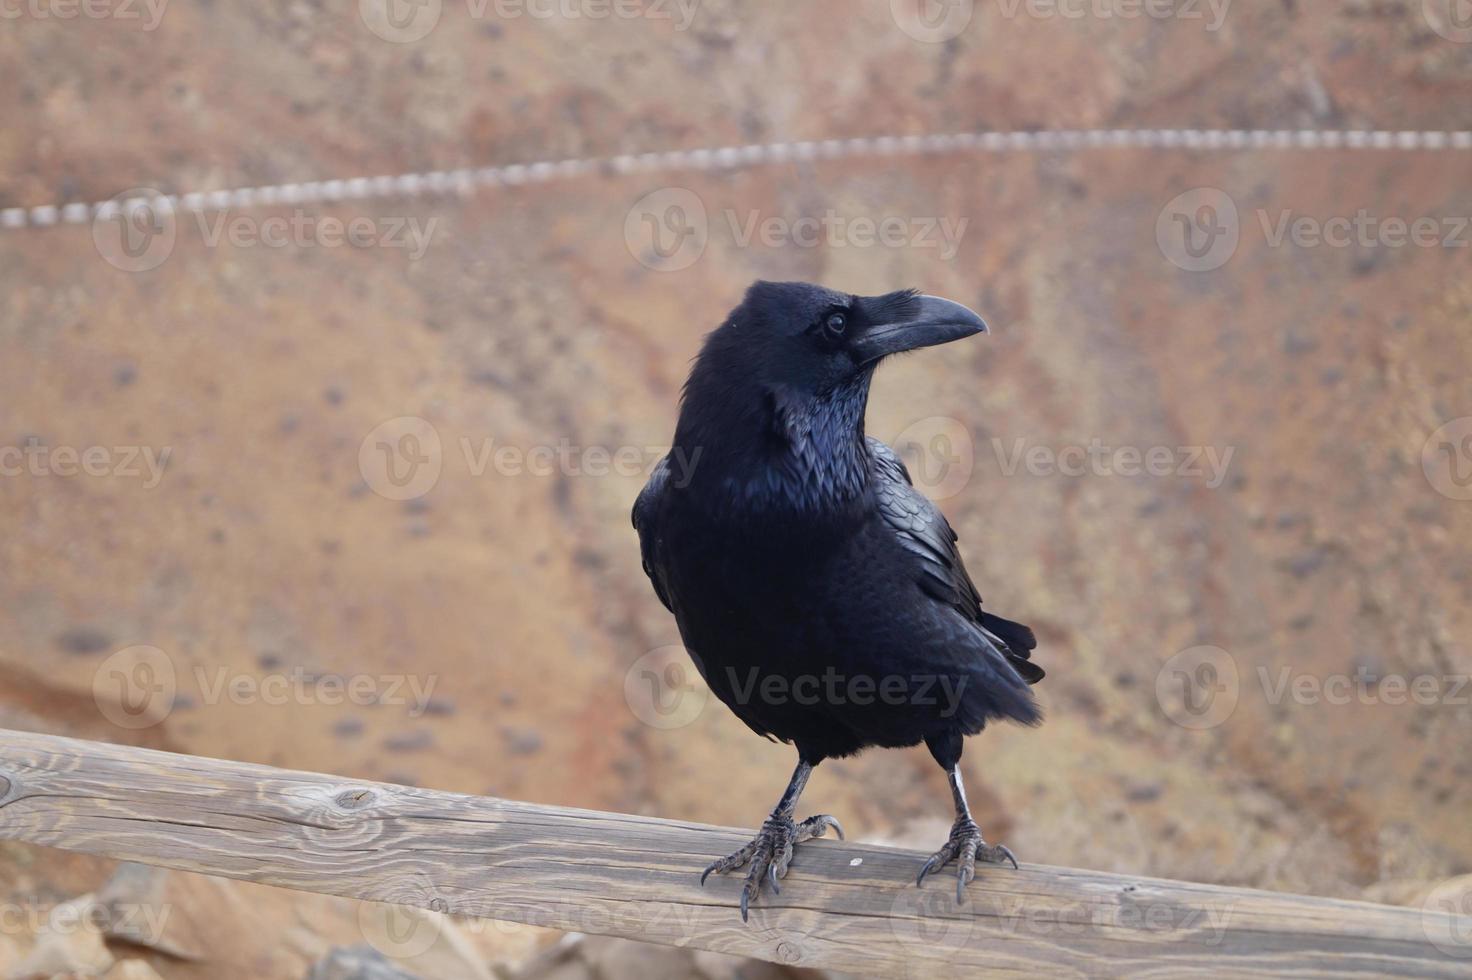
[{"x": 934, "y": 321}]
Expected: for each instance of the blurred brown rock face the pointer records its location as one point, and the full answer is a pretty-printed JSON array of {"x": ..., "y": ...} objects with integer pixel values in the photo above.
[{"x": 351, "y": 494}]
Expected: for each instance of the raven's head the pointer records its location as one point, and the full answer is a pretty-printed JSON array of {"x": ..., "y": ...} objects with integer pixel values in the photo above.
[
  {"x": 786, "y": 376},
  {"x": 812, "y": 341}
]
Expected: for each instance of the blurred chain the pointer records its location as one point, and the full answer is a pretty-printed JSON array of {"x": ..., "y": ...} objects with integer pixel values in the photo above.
[{"x": 734, "y": 157}]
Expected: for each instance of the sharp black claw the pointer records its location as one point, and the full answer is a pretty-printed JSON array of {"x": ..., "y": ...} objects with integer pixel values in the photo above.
[
  {"x": 965, "y": 846},
  {"x": 769, "y": 854},
  {"x": 837, "y": 828}
]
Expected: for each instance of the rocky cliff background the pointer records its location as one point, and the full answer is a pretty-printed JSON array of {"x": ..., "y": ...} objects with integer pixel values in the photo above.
[{"x": 1228, "y": 483}]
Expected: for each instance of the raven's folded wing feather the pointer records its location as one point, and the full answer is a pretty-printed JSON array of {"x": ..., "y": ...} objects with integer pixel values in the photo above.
[
  {"x": 646, "y": 522},
  {"x": 923, "y": 530}
]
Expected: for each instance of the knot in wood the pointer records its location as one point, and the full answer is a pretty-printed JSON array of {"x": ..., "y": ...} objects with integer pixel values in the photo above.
[{"x": 355, "y": 799}]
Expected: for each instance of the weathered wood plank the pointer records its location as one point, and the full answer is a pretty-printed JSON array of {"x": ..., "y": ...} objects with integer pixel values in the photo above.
[{"x": 848, "y": 907}]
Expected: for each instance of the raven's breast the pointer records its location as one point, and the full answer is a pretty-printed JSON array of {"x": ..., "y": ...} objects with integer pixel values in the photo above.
[{"x": 804, "y": 636}]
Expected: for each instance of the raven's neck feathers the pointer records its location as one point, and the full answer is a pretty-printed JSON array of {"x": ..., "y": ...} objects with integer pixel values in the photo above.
[{"x": 771, "y": 450}]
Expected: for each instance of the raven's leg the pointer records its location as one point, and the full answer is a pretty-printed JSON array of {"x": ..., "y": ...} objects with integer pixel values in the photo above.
[
  {"x": 966, "y": 843},
  {"x": 770, "y": 852}
]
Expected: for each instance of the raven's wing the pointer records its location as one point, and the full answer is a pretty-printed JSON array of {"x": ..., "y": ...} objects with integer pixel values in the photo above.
[
  {"x": 646, "y": 522},
  {"x": 923, "y": 531}
]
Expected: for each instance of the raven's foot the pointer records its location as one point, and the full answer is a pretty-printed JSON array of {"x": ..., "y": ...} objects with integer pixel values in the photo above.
[
  {"x": 964, "y": 847},
  {"x": 770, "y": 853}
]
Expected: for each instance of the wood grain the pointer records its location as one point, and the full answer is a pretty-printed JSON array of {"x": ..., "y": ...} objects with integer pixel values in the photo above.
[{"x": 850, "y": 907}]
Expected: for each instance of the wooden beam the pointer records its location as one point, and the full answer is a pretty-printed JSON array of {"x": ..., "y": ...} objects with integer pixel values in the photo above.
[{"x": 849, "y": 907}]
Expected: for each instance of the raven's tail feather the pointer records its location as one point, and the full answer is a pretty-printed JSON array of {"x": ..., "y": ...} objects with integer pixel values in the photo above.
[{"x": 1020, "y": 643}]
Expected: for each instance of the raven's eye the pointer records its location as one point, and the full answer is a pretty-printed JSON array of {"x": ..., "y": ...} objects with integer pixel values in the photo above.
[{"x": 835, "y": 324}]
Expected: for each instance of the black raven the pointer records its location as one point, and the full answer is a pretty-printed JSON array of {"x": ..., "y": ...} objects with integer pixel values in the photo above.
[{"x": 820, "y": 595}]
